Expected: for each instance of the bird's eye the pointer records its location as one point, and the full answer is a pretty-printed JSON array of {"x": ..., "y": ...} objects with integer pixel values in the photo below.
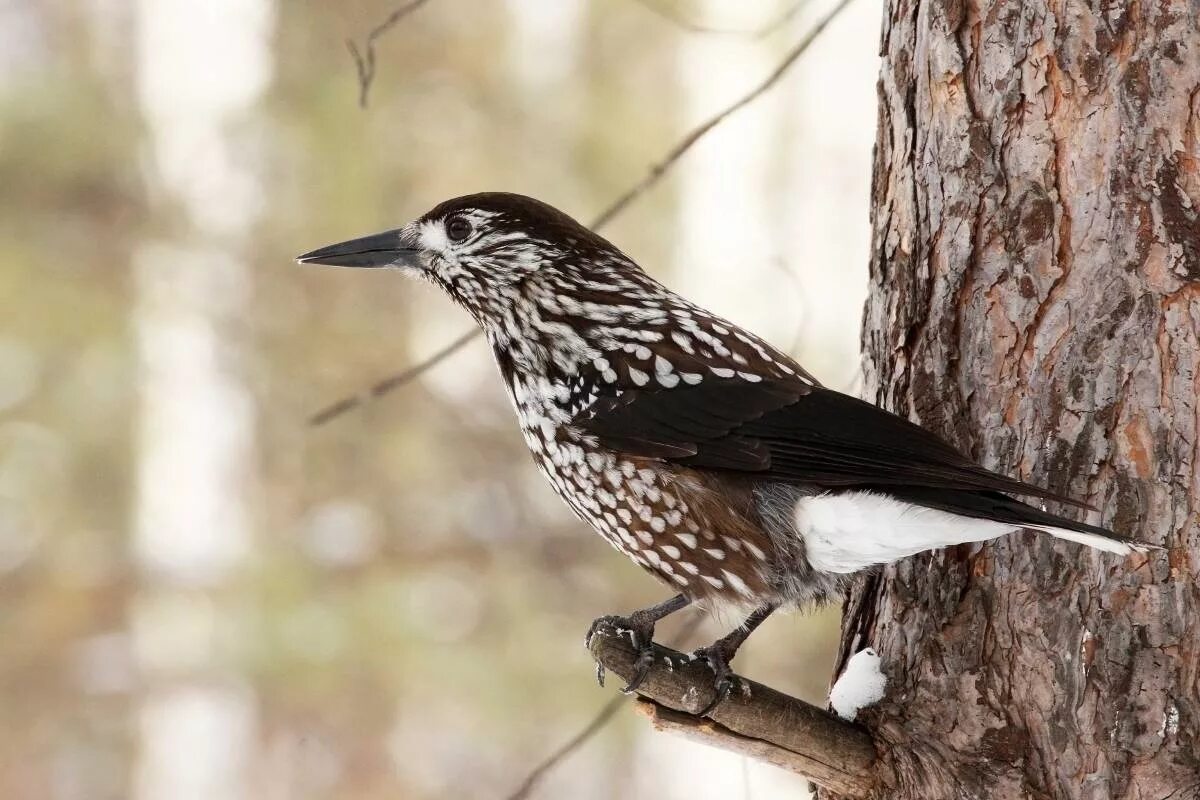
[{"x": 457, "y": 229}]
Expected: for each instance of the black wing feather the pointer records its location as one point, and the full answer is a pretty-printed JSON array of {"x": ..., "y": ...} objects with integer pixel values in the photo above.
[{"x": 790, "y": 432}]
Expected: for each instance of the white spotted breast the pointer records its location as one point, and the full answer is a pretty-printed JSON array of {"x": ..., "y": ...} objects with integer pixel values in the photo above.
[{"x": 643, "y": 508}]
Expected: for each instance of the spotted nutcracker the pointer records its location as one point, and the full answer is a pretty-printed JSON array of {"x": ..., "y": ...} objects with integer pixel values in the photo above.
[{"x": 710, "y": 458}]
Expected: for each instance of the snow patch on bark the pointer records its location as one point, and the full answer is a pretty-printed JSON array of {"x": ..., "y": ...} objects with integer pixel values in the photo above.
[{"x": 862, "y": 684}]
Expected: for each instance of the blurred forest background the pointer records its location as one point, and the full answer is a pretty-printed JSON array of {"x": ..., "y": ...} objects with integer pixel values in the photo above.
[{"x": 204, "y": 596}]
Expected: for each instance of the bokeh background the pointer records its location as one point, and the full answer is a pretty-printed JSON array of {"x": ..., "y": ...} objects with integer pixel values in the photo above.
[{"x": 204, "y": 596}]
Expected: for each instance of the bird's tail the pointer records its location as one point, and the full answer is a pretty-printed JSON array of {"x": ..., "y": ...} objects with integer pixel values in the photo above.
[
  {"x": 1108, "y": 541},
  {"x": 1002, "y": 508}
]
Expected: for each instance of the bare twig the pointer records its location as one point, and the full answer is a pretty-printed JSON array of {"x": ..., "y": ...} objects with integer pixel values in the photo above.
[
  {"x": 854, "y": 386},
  {"x": 388, "y": 384},
  {"x": 676, "y": 19},
  {"x": 798, "y": 337},
  {"x": 754, "y": 720},
  {"x": 364, "y": 60},
  {"x": 656, "y": 173},
  {"x": 599, "y": 721}
]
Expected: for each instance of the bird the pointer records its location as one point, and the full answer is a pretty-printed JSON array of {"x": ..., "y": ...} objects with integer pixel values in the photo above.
[{"x": 706, "y": 455}]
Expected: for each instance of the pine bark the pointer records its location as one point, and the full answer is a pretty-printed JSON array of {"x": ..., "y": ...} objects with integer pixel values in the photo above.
[{"x": 1035, "y": 298}]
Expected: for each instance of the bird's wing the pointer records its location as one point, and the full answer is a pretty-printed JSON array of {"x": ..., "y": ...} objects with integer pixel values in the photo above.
[{"x": 786, "y": 430}]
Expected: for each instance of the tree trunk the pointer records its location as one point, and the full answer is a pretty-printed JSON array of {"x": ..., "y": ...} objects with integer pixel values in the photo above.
[{"x": 1035, "y": 300}]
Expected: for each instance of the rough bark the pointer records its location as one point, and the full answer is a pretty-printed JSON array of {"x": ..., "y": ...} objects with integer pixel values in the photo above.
[{"x": 1035, "y": 299}]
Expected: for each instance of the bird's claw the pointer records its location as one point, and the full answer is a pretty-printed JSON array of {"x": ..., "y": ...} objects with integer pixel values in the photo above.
[
  {"x": 641, "y": 667},
  {"x": 723, "y": 678},
  {"x": 641, "y": 636}
]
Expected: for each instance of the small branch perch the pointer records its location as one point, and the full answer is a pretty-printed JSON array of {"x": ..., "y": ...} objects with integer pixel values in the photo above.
[{"x": 757, "y": 721}]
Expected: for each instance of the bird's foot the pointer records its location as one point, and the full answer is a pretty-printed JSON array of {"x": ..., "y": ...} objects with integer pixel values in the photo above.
[
  {"x": 721, "y": 652},
  {"x": 641, "y": 635},
  {"x": 639, "y": 626},
  {"x": 724, "y": 680}
]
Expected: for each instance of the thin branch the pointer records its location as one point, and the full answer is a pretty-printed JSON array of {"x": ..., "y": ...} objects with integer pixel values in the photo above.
[
  {"x": 364, "y": 60},
  {"x": 656, "y": 172},
  {"x": 790, "y": 273},
  {"x": 677, "y": 19},
  {"x": 855, "y": 385},
  {"x": 754, "y": 720},
  {"x": 389, "y": 384},
  {"x": 599, "y": 721},
  {"x": 652, "y": 177}
]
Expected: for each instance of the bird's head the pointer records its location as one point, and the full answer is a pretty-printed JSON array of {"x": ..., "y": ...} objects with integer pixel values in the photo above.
[
  {"x": 554, "y": 297},
  {"x": 483, "y": 249}
]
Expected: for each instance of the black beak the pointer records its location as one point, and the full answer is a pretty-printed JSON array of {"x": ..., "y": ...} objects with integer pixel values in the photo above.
[{"x": 387, "y": 249}]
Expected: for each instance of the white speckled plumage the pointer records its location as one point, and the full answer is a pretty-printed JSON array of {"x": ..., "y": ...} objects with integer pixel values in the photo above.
[{"x": 706, "y": 455}]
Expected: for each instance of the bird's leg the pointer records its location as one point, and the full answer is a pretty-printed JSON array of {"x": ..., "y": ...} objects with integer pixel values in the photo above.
[
  {"x": 721, "y": 652},
  {"x": 640, "y": 627}
]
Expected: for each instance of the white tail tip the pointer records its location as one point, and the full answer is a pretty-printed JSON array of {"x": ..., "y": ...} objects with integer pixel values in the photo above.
[{"x": 1096, "y": 541}]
